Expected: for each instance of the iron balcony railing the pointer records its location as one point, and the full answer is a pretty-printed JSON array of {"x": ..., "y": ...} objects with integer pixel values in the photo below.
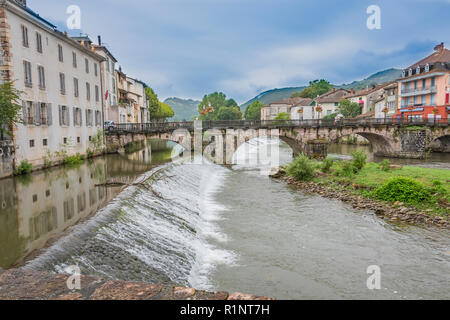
[{"x": 274, "y": 124}]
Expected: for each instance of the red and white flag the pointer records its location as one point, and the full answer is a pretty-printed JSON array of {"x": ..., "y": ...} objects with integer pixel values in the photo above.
[{"x": 107, "y": 95}]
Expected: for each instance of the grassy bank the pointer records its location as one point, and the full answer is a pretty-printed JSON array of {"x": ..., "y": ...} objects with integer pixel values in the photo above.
[{"x": 426, "y": 190}]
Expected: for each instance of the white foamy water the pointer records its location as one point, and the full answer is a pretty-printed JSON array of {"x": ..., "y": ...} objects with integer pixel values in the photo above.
[{"x": 166, "y": 234}]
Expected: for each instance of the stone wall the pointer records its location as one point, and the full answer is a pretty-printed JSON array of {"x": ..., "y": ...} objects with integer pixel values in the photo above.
[
  {"x": 6, "y": 158},
  {"x": 18, "y": 284}
]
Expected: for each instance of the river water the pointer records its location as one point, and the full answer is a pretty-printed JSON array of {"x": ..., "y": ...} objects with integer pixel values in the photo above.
[{"x": 215, "y": 228}]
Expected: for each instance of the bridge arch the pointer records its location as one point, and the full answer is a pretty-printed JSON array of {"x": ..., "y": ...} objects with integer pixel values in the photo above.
[
  {"x": 381, "y": 144},
  {"x": 441, "y": 144}
]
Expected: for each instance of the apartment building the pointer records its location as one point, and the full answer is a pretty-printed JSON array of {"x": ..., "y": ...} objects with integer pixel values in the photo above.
[
  {"x": 367, "y": 98},
  {"x": 386, "y": 105},
  {"x": 425, "y": 87},
  {"x": 329, "y": 102},
  {"x": 133, "y": 105},
  {"x": 292, "y": 106},
  {"x": 61, "y": 84}
]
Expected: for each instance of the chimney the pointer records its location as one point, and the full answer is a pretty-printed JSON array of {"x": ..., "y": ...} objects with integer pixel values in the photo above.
[
  {"x": 439, "y": 47},
  {"x": 99, "y": 40}
]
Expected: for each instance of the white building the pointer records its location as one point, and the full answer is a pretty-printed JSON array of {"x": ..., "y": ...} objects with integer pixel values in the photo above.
[{"x": 61, "y": 84}]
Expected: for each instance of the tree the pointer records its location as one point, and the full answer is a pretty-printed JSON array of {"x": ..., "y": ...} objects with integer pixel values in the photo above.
[
  {"x": 211, "y": 104},
  {"x": 316, "y": 88},
  {"x": 9, "y": 108},
  {"x": 154, "y": 105},
  {"x": 229, "y": 113},
  {"x": 253, "y": 111},
  {"x": 349, "y": 109}
]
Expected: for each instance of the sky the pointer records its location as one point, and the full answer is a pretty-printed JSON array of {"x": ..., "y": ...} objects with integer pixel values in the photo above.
[{"x": 189, "y": 48}]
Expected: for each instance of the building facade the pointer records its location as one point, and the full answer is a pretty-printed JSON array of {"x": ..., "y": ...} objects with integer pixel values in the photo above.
[
  {"x": 329, "y": 102},
  {"x": 425, "y": 88},
  {"x": 60, "y": 81}
]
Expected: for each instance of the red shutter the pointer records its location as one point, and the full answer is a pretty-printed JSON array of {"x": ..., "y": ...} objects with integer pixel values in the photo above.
[{"x": 447, "y": 98}]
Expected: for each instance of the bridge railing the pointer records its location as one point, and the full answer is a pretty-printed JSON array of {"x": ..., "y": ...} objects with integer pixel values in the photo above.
[{"x": 274, "y": 124}]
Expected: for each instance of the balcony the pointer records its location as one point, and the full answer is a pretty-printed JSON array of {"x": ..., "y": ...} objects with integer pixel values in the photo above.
[{"x": 418, "y": 92}]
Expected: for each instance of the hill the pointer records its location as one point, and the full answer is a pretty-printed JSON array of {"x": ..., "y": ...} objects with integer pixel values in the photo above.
[
  {"x": 280, "y": 94},
  {"x": 184, "y": 109}
]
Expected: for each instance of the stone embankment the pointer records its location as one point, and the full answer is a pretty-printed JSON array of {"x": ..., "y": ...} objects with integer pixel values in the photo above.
[
  {"x": 396, "y": 213},
  {"x": 19, "y": 284}
]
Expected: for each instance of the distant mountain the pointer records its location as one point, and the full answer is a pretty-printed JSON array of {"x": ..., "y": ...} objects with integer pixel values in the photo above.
[
  {"x": 280, "y": 94},
  {"x": 184, "y": 109}
]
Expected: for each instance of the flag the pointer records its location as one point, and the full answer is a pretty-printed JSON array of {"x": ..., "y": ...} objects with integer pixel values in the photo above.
[{"x": 107, "y": 95}]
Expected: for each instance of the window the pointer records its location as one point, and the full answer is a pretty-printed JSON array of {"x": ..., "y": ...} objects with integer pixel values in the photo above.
[
  {"x": 27, "y": 72},
  {"x": 38, "y": 42},
  {"x": 114, "y": 84},
  {"x": 78, "y": 140},
  {"x": 43, "y": 114},
  {"x": 424, "y": 84},
  {"x": 88, "y": 91},
  {"x": 29, "y": 112},
  {"x": 433, "y": 82},
  {"x": 64, "y": 116},
  {"x": 75, "y": 88},
  {"x": 25, "y": 36},
  {"x": 41, "y": 74},
  {"x": 95, "y": 69},
  {"x": 62, "y": 83},
  {"x": 98, "y": 118},
  {"x": 112, "y": 66},
  {"x": 97, "y": 94},
  {"x": 45, "y": 142},
  {"x": 415, "y": 85},
  {"x": 77, "y": 121},
  {"x": 31, "y": 143},
  {"x": 60, "y": 53},
  {"x": 74, "y": 60},
  {"x": 65, "y": 142},
  {"x": 107, "y": 64},
  {"x": 89, "y": 118},
  {"x": 433, "y": 99},
  {"x": 86, "y": 61}
]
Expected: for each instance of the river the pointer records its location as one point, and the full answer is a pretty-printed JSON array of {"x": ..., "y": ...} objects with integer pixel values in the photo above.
[{"x": 214, "y": 228}]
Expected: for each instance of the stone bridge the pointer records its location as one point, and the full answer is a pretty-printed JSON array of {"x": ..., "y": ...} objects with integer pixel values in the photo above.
[{"x": 222, "y": 138}]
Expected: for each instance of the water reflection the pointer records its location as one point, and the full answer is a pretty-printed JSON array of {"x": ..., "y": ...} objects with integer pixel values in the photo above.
[{"x": 36, "y": 208}]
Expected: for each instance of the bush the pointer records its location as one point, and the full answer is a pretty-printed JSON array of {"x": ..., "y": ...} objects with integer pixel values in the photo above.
[
  {"x": 302, "y": 168},
  {"x": 326, "y": 165},
  {"x": 438, "y": 189},
  {"x": 346, "y": 169},
  {"x": 74, "y": 160},
  {"x": 405, "y": 190},
  {"x": 385, "y": 165},
  {"x": 359, "y": 159},
  {"x": 24, "y": 168}
]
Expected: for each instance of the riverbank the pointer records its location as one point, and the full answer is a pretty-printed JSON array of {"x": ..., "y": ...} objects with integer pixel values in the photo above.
[
  {"x": 359, "y": 191},
  {"x": 19, "y": 284}
]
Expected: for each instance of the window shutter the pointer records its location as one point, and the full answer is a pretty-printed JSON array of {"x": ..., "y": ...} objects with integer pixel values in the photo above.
[
  {"x": 49, "y": 114},
  {"x": 81, "y": 117},
  {"x": 75, "y": 116},
  {"x": 87, "y": 117},
  {"x": 24, "y": 112},
  {"x": 60, "y": 115},
  {"x": 37, "y": 113},
  {"x": 68, "y": 116}
]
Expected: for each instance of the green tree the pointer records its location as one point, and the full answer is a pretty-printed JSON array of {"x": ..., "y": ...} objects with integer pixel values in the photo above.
[
  {"x": 154, "y": 105},
  {"x": 165, "y": 111},
  {"x": 349, "y": 109},
  {"x": 229, "y": 113},
  {"x": 283, "y": 116},
  {"x": 316, "y": 88},
  {"x": 9, "y": 108},
  {"x": 211, "y": 104},
  {"x": 253, "y": 111}
]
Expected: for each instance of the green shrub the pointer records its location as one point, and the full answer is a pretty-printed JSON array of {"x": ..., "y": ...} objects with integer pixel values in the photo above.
[
  {"x": 438, "y": 189},
  {"x": 385, "y": 165},
  {"x": 359, "y": 159},
  {"x": 302, "y": 168},
  {"x": 326, "y": 165},
  {"x": 405, "y": 190},
  {"x": 346, "y": 169},
  {"x": 74, "y": 160},
  {"x": 90, "y": 153},
  {"x": 24, "y": 168}
]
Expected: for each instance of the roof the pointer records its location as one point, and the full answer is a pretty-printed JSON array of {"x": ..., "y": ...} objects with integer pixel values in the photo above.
[
  {"x": 105, "y": 49},
  {"x": 297, "y": 101},
  {"x": 440, "y": 55},
  {"x": 332, "y": 96},
  {"x": 370, "y": 90},
  {"x": 370, "y": 114}
]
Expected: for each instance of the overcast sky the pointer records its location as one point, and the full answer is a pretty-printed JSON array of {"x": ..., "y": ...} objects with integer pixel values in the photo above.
[{"x": 187, "y": 48}]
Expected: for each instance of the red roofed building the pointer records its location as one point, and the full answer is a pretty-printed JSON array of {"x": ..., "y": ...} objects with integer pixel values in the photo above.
[{"x": 425, "y": 88}]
